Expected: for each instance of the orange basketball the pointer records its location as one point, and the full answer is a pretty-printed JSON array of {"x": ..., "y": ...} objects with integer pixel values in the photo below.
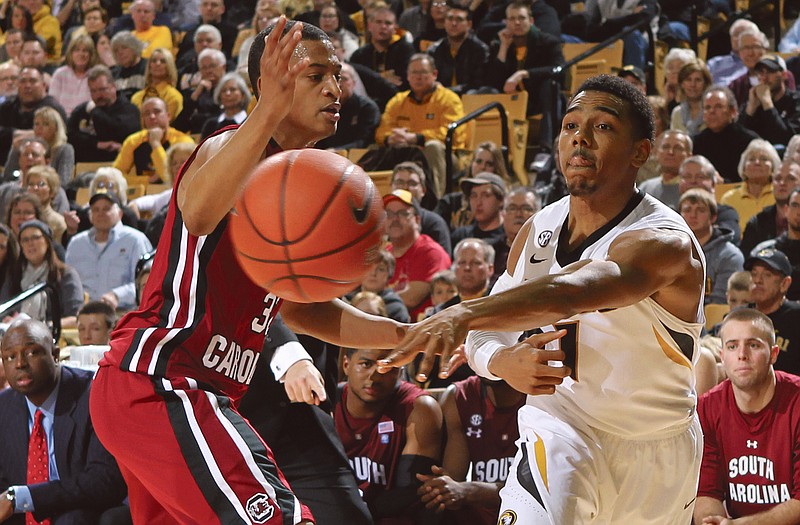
[{"x": 308, "y": 225}]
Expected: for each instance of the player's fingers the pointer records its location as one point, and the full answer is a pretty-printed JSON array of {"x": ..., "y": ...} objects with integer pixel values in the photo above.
[
  {"x": 271, "y": 40},
  {"x": 458, "y": 358},
  {"x": 402, "y": 354},
  {"x": 539, "y": 340},
  {"x": 433, "y": 347},
  {"x": 437, "y": 470},
  {"x": 288, "y": 44}
]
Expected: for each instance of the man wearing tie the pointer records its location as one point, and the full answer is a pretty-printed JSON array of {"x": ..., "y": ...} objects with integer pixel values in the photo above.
[{"x": 56, "y": 470}]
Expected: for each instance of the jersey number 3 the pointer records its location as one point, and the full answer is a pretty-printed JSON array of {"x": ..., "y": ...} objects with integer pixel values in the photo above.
[{"x": 569, "y": 345}]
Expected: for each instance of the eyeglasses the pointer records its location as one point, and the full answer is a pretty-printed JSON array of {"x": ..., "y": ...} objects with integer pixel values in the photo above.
[
  {"x": 23, "y": 213},
  {"x": 329, "y": 15},
  {"x": 405, "y": 184},
  {"x": 106, "y": 184},
  {"x": 9, "y": 79},
  {"x": 439, "y": 4},
  {"x": 752, "y": 47},
  {"x": 31, "y": 239},
  {"x": 38, "y": 185},
  {"x": 404, "y": 214},
  {"x": 513, "y": 208}
]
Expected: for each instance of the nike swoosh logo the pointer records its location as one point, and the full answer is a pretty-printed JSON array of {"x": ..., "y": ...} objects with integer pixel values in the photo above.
[
  {"x": 360, "y": 214},
  {"x": 688, "y": 504},
  {"x": 534, "y": 260}
]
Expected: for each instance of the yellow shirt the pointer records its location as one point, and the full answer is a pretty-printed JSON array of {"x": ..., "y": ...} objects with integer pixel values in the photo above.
[
  {"x": 171, "y": 96},
  {"x": 155, "y": 37},
  {"x": 745, "y": 204},
  {"x": 428, "y": 117},
  {"x": 125, "y": 160},
  {"x": 47, "y": 26}
]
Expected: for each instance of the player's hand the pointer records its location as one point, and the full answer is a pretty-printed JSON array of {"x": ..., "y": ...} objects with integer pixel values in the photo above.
[
  {"x": 304, "y": 383},
  {"x": 278, "y": 74},
  {"x": 440, "y": 334},
  {"x": 440, "y": 492},
  {"x": 525, "y": 365}
]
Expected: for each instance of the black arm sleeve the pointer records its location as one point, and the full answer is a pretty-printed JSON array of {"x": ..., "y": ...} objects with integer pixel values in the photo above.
[{"x": 402, "y": 500}]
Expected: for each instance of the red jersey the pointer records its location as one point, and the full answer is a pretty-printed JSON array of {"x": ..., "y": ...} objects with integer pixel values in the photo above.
[
  {"x": 751, "y": 461},
  {"x": 420, "y": 262},
  {"x": 491, "y": 439},
  {"x": 201, "y": 319},
  {"x": 373, "y": 445}
]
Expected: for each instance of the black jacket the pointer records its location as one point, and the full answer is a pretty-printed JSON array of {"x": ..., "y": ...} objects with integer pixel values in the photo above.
[
  {"x": 469, "y": 65},
  {"x": 114, "y": 123},
  {"x": 777, "y": 125}
]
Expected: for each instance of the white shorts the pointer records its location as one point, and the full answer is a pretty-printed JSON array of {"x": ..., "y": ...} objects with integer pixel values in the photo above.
[{"x": 567, "y": 473}]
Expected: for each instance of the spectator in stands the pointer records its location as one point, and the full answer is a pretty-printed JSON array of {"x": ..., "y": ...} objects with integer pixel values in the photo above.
[
  {"x": 724, "y": 140},
  {"x": 454, "y": 207},
  {"x": 387, "y": 54},
  {"x": 359, "y": 116},
  {"x": 265, "y": 13},
  {"x": 486, "y": 193},
  {"x": 9, "y": 74},
  {"x": 788, "y": 242},
  {"x": 97, "y": 128},
  {"x": 698, "y": 172},
  {"x": 69, "y": 85},
  {"x": 519, "y": 57},
  {"x": 22, "y": 207},
  {"x": 143, "y": 13},
  {"x": 675, "y": 59},
  {"x": 95, "y": 22},
  {"x": 43, "y": 181},
  {"x": 606, "y": 18},
  {"x": 443, "y": 288},
  {"x": 772, "y": 110},
  {"x": 750, "y": 419},
  {"x": 211, "y": 13},
  {"x": 738, "y": 293},
  {"x": 154, "y": 205},
  {"x": 46, "y": 26},
  {"x": 391, "y": 431},
  {"x": 34, "y": 54},
  {"x": 413, "y": 18},
  {"x": 419, "y": 118},
  {"x": 771, "y": 274},
  {"x": 48, "y": 406},
  {"x": 693, "y": 80},
  {"x": 146, "y": 150},
  {"x": 771, "y": 221},
  {"x": 232, "y": 95},
  {"x": 377, "y": 282},
  {"x": 519, "y": 205},
  {"x": 473, "y": 264},
  {"x": 38, "y": 263},
  {"x": 17, "y": 114},
  {"x": 33, "y": 152},
  {"x": 481, "y": 428},
  {"x": 752, "y": 46},
  {"x": 96, "y": 319},
  {"x": 205, "y": 37},
  {"x": 332, "y": 20},
  {"x": 433, "y": 29},
  {"x": 410, "y": 176},
  {"x": 460, "y": 58},
  {"x": 12, "y": 47},
  {"x": 48, "y": 126},
  {"x": 417, "y": 256},
  {"x": 198, "y": 101},
  {"x": 699, "y": 209},
  {"x": 725, "y": 68},
  {"x": 673, "y": 147},
  {"x": 105, "y": 256},
  {"x": 635, "y": 76},
  {"x": 9, "y": 252},
  {"x": 130, "y": 70},
  {"x": 160, "y": 80},
  {"x": 757, "y": 165}
]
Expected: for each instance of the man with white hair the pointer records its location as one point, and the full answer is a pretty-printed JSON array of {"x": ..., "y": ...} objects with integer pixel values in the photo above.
[
  {"x": 205, "y": 37},
  {"x": 9, "y": 73},
  {"x": 143, "y": 13},
  {"x": 211, "y": 13},
  {"x": 752, "y": 47},
  {"x": 725, "y": 68},
  {"x": 198, "y": 101},
  {"x": 360, "y": 116}
]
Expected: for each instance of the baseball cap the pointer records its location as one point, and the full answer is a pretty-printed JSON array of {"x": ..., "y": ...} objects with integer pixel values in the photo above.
[
  {"x": 36, "y": 223},
  {"x": 633, "y": 71},
  {"x": 772, "y": 62},
  {"x": 403, "y": 196},
  {"x": 773, "y": 258},
  {"x": 102, "y": 194},
  {"x": 482, "y": 178}
]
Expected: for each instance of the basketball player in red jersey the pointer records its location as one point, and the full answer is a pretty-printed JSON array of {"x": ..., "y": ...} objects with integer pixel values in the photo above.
[{"x": 164, "y": 398}]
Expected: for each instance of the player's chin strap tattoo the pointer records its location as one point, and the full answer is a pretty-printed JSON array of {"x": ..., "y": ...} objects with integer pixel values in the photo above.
[{"x": 402, "y": 499}]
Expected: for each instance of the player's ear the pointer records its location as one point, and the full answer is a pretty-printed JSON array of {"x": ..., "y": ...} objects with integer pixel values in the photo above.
[
  {"x": 641, "y": 152},
  {"x": 773, "y": 354}
]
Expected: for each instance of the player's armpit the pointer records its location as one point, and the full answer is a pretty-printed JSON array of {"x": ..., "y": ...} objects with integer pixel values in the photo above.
[{"x": 518, "y": 246}]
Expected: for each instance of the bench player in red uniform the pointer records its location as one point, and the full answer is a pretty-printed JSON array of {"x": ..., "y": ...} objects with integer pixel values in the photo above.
[{"x": 164, "y": 401}]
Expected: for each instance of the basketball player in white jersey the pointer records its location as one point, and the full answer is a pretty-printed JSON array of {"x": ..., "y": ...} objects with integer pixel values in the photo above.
[{"x": 615, "y": 279}]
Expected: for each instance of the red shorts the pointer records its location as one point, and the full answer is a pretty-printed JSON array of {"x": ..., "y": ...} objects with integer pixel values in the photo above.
[{"x": 188, "y": 457}]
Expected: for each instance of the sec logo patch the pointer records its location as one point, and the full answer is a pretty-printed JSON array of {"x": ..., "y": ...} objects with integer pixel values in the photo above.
[{"x": 508, "y": 517}]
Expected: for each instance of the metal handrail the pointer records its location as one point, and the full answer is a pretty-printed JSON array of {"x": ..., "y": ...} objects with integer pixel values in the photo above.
[
  {"x": 53, "y": 302},
  {"x": 451, "y": 129}
]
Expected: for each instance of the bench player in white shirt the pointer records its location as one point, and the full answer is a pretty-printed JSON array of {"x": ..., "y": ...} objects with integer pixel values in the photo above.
[{"x": 609, "y": 434}]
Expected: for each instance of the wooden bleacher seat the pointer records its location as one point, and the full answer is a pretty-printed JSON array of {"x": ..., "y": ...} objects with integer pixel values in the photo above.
[
  {"x": 604, "y": 61},
  {"x": 721, "y": 189},
  {"x": 487, "y": 126},
  {"x": 355, "y": 154},
  {"x": 382, "y": 179},
  {"x": 87, "y": 167},
  {"x": 82, "y": 196},
  {"x": 155, "y": 189},
  {"x": 715, "y": 313},
  {"x": 136, "y": 191}
]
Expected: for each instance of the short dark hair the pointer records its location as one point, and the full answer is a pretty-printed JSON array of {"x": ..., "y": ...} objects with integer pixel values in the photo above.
[
  {"x": 100, "y": 70},
  {"x": 641, "y": 111},
  {"x": 310, "y": 32},
  {"x": 464, "y": 8},
  {"x": 99, "y": 307},
  {"x": 761, "y": 321}
]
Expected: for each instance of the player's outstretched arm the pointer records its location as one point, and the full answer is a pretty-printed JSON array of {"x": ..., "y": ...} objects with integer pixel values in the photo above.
[
  {"x": 640, "y": 264},
  {"x": 209, "y": 188},
  {"x": 341, "y": 324}
]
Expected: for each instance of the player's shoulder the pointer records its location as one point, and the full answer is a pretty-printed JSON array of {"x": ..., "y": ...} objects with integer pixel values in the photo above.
[{"x": 788, "y": 384}]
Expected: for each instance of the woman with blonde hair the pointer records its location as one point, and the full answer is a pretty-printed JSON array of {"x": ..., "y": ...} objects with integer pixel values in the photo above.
[
  {"x": 676, "y": 58},
  {"x": 693, "y": 80},
  {"x": 43, "y": 182},
  {"x": 49, "y": 127},
  {"x": 160, "y": 79},
  {"x": 758, "y": 164},
  {"x": 70, "y": 85}
]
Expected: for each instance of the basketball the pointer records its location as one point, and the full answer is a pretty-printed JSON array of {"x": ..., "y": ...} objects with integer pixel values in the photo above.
[{"x": 308, "y": 225}]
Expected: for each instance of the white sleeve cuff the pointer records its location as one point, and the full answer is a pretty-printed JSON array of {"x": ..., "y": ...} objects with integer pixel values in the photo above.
[
  {"x": 479, "y": 355},
  {"x": 285, "y": 356}
]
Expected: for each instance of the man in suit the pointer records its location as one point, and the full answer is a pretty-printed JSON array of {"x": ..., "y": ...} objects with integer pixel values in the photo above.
[{"x": 79, "y": 479}]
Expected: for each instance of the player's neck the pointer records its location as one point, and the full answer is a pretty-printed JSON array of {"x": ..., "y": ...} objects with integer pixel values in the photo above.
[
  {"x": 589, "y": 213},
  {"x": 291, "y": 139},
  {"x": 753, "y": 401},
  {"x": 362, "y": 410}
]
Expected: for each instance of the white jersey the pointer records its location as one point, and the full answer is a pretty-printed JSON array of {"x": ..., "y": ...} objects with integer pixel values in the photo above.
[{"x": 632, "y": 367}]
